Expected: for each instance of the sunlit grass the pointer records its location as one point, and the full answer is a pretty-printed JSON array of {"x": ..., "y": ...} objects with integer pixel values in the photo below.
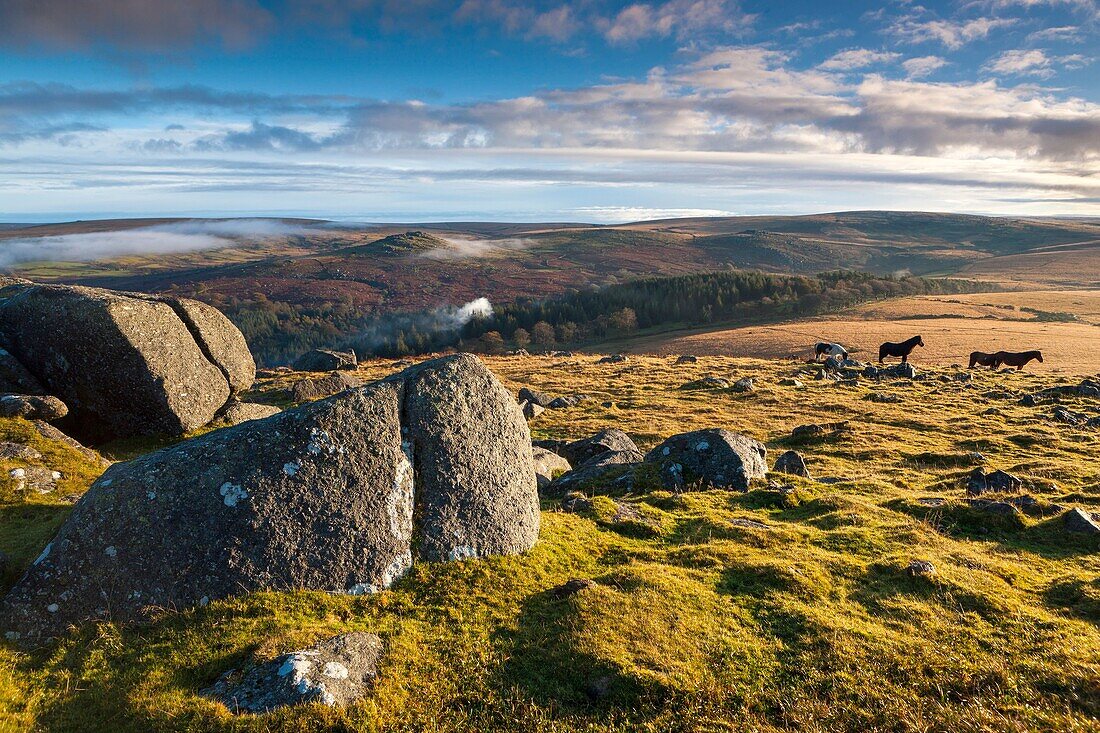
[{"x": 700, "y": 620}]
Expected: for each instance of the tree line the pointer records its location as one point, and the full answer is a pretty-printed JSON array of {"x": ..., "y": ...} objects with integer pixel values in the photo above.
[{"x": 278, "y": 332}]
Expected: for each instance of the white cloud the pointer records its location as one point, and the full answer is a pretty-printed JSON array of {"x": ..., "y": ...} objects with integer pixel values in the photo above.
[
  {"x": 950, "y": 33},
  {"x": 922, "y": 66},
  {"x": 857, "y": 58}
]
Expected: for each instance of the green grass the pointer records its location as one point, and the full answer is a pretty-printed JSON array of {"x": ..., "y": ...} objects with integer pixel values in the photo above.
[{"x": 698, "y": 622}]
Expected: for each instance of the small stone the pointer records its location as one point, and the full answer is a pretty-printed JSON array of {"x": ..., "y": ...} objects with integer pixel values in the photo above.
[
  {"x": 334, "y": 672},
  {"x": 920, "y": 568},
  {"x": 743, "y": 385},
  {"x": 1078, "y": 520},
  {"x": 571, "y": 587},
  {"x": 792, "y": 462}
]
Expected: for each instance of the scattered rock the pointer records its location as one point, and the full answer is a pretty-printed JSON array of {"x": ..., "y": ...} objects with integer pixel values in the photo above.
[
  {"x": 576, "y": 501},
  {"x": 126, "y": 364},
  {"x": 743, "y": 385},
  {"x": 994, "y": 507},
  {"x": 548, "y": 465},
  {"x": 32, "y": 407},
  {"x": 979, "y": 482},
  {"x": 819, "y": 431},
  {"x": 884, "y": 397},
  {"x": 613, "y": 359},
  {"x": 314, "y": 388},
  {"x": 792, "y": 462},
  {"x": 712, "y": 458},
  {"x": 526, "y": 394},
  {"x": 325, "y": 360},
  {"x": 904, "y": 370},
  {"x": 531, "y": 410},
  {"x": 334, "y": 672},
  {"x": 788, "y": 382},
  {"x": 605, "y": 441},
  {"x": 34, "y": 478},
  {"x": 1078, "y": 520},
  {"x": 687, "y": 359},
  {"x": 17, "y": 451},
  {"x": 560, "y": 403},
  {"x": 571, "y": 587},
  {"x": 237, "y": 412},
  {"x": 1070, "y": 417},
  {"x": 920, "y": 568},
  {"x": 933, "y": 501},
  {"x": 707, "y": 383},
  {"x": 597, "y": 468},
  {"x": 15, "y": 379},
  {"x": 748, "y": 524},
  {"x": 319, "y": 497}
]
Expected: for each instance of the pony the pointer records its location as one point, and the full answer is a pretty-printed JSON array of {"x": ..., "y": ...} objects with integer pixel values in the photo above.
[
  {"x": 891, "y": 349},
  {"x": 983, "y": 359},
  {"x": 1017, "y": 358},
  {"x": 828, "y": 349}
]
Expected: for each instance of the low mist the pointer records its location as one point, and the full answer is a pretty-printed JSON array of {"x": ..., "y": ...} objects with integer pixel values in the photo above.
[
  {"x": 469, "y": 247},
  {"x": 174, "y": 238},
  {"x": 396, "y": 334}
]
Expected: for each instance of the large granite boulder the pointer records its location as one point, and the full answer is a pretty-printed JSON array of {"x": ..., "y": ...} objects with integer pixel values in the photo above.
[
  {"x": 476, "y": 491},
  {"x": 712, "y": 458},
  {"x": 319, "y": 497},
  {"x": 126, "y": 364},
  {"x": 221, "y": 342}
]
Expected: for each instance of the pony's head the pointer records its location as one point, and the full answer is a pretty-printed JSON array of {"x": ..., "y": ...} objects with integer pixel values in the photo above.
[
  {"x": 920, "y": 341},
  {"x": 1039, "y": 356}
]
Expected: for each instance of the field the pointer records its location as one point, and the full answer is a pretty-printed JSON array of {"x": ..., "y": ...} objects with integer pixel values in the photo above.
[
  {"x": 1062, "y": 324},
  {"x": 802, "y": 618}
]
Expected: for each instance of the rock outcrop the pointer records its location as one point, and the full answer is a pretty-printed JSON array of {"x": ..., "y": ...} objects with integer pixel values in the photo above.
[
  {"x": 320, "y": 497},
  {"x": 712, "y": 458},
  {"x": 15, "y": 378},
  {"x": 125, "y": 363}
]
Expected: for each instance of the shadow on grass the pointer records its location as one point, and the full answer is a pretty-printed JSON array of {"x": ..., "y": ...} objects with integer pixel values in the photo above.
[
  {"x": 1046, "y": 537},
  {"x": 545, "y": 665},
  {"x": 24, "y": 531}
]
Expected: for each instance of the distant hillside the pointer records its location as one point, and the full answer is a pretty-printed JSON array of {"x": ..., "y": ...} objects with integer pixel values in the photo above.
[{"x": 323, "y": 278}]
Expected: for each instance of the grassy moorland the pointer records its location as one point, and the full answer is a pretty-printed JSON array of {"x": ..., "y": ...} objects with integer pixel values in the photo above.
[{"x": 801, "y": 619}]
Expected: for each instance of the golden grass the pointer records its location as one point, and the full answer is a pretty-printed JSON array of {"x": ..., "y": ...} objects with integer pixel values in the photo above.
[{"x": 698, "y": 623}]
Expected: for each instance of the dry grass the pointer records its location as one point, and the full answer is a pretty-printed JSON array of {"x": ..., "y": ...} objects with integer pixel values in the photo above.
[{"x": 697, "y": 623}]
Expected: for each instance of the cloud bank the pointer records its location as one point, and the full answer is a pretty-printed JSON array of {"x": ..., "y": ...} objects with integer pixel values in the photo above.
[{"x": 175, "y": 238}]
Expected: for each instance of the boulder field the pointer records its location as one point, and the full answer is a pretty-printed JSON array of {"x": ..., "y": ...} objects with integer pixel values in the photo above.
[
  {"x": 124, "y": 364},
  {"x": 341, "y": 495}
]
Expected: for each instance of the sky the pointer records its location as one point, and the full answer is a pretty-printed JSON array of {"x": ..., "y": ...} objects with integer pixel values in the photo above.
[{"x": 419, "y": 110}]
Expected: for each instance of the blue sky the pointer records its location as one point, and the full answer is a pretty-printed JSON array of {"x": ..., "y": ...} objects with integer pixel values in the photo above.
[{"x": 591, "y": 110}]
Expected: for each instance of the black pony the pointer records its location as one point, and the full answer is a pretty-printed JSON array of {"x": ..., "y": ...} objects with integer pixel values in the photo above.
[{"x": 902, "y": 349}]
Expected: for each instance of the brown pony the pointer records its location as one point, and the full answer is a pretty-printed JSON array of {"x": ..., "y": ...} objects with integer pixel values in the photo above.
[
  {"x": 1017, "y": 358},
  {"x": 982, "y": 359}
]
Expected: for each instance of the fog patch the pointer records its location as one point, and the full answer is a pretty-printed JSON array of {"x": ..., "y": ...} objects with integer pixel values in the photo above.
[
  {"x": 397, "y": 334},
  {"x": 460, "y": 248},
  {"x": 173, "y": 238}
]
